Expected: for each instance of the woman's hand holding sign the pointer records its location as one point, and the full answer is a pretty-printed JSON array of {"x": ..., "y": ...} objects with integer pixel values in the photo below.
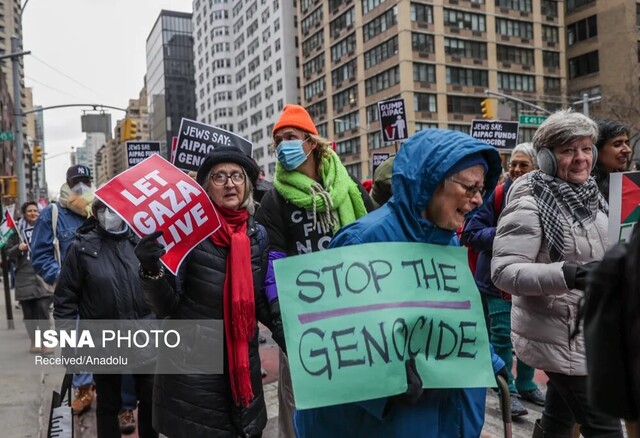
[{"x": 149, "y": 251}]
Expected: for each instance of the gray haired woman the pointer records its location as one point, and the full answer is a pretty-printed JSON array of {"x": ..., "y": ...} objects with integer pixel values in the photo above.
[{"x": 553, "y": 225}]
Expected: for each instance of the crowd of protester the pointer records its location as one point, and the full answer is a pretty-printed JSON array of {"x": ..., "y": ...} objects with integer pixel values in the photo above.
[{"x": 536, "y": 240}]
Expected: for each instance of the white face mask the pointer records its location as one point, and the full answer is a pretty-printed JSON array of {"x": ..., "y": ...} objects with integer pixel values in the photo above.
[
  {"x": 110, "y": 221},
  {"x": 81, "y": 189}
]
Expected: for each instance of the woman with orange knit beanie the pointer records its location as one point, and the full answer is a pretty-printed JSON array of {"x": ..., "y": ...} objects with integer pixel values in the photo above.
[{"x": 313, "y": 197}]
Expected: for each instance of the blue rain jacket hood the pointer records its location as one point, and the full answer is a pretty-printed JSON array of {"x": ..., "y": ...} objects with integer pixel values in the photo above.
[{"x": 421, "y": 165}]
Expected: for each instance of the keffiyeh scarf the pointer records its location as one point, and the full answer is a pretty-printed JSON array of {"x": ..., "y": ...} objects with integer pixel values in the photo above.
[{"x": 582, "y": 200}]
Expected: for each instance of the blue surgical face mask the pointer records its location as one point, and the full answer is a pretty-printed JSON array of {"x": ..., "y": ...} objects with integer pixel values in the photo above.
[{"x": 291, "y": 154}]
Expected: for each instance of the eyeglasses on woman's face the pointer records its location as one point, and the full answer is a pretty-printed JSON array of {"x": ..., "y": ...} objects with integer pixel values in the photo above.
[
  {"x": 220, "y": 178},
  {"x": 470, "y": 190}
]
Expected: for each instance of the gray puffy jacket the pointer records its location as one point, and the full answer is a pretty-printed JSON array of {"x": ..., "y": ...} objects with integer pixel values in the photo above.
[{"x": 544, "y": 308}]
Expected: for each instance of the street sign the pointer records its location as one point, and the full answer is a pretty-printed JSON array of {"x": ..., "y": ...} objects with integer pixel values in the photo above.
[
  {"x": 6, "y": 135},
  {"x": 501, "y": 134},
  {"x": 526, "y": 119}
]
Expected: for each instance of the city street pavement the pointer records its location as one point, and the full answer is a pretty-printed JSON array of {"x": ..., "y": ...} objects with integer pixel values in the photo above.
[{"x": 26, "y": 397}]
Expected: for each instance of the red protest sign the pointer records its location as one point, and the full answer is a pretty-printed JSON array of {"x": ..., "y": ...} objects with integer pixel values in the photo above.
[{"x": 155, "y": 195}]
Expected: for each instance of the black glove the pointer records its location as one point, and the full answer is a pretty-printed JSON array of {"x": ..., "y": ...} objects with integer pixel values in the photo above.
[
  {"x": 149, "y": 251},
  {"x": 277, "y": 331},
  {"x": 414, "y": 385},
  {"x": 575, "y": 275}
]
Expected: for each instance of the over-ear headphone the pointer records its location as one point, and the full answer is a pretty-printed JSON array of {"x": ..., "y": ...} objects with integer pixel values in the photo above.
[{"x": 548, "y": 164}]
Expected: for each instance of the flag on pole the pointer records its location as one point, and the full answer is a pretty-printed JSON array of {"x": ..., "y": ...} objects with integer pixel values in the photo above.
[{"x": 7, "y": 229}]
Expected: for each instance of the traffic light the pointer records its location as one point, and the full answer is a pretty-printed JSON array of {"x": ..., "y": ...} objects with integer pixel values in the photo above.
[
  {"x": 36, "y": 157},
  {"x": 9, "y": 186},
  {"x": 488, "y": 109},
  {"x": 128, "y": 130}
]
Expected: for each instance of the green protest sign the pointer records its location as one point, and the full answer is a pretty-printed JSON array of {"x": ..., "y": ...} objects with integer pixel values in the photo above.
[{"x": 353, "y": 316}]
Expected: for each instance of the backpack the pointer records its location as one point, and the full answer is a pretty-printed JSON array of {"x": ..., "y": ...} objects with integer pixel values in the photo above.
[
  {"x": 608, "y": 311},
  {"x": 498, "y": 203}
]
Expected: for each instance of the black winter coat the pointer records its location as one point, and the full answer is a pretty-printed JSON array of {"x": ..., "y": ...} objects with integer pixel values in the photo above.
[
  {"x": 99, "y": 280},
  {"x": 202, "y": 405}
]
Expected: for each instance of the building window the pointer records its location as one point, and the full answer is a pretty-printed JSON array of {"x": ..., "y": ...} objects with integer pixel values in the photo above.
[
  {"x": 348, "y": 147},
  {"x": 380, "y": 24},
  {"x": 347, "y": 46},
  {"x": 318, "y": 110},
  {"x": 322, "y": 130},
  {"x": 313, "y": 89},
  {"x": 312, "y": 20},
  {"x": 549, "y": 8},
  {"x": 315, "y": 65},
  {"x": 423, "y": 102},
  {"x": 514, "y": 28},
  {"x": 517, "y": 5},
  {"x": 575, "y": 4},
  {"x": 465, "y": 48},
  {"x": 584, "y": 64},
  {"x": 463, "y": 105},
  {"x": 314, "y": 41},
  {"x": 550, "y": 59},
  {"x": 516, "y": 82},
  {"x": 421, "y": 126},
  {"x": 464, "y": 20},
  {"x": 422, "y": 43},
  {"x": 582, "y": 30},
  {"x": 550, "y": 34},
  {"x": 374, "y": 140},
  {"x": 382, "y": 81},
  {"x": 515, "y": 55},
  {"x": 346, "y": 123},
  {"x": 344, "y": 98},
  {"x": 461, "y": 128},
  {"x": 421, "y": 13},
  {"x": 368, "y": 5},
  {"x": 354, "y": 169},
  {"x": 344, "y": 73},
  {"x": 526, "y": 134},
  {"x": 467, "y": 76},
  {"x": 344, "y": 21},
  {"x": 381, "y": 52},
  {"x": 425, "y": 73}
]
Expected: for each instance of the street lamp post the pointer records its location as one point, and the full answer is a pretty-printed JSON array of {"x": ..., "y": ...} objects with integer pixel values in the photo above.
[{"x": 17, "y": 119}]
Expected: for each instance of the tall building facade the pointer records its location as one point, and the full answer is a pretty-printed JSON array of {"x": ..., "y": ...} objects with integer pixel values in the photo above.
[
  {"x": 246, "y": 66},
  {"x": 170, "y": 76},
  {"x": 603, "y": 59},
  {"x": 439, "y": 58},
  {"x": 10, "y": 25}
]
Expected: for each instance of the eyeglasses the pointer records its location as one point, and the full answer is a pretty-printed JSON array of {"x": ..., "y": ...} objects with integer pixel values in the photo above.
[
  {"x": 220, "y": 178},
  {"x": 470, "y": 191}
]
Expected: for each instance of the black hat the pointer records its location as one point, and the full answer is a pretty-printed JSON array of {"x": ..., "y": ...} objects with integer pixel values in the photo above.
[
  {"x": 78, "y": 171},
  {"x": 228, "y": 154}
]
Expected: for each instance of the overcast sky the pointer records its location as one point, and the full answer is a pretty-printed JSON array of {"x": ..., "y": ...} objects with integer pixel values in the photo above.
[{"x": 96, "y": 49}]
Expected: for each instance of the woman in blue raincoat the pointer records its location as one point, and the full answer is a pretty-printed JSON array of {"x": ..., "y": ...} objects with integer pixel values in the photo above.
[{"x": 438, "y": 178}]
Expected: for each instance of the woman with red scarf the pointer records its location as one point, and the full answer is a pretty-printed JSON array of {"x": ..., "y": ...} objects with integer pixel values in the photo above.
[{"x": 220, "y": 279}]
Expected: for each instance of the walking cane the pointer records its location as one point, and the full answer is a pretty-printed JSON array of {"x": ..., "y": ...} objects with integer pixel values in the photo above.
[{"x": 505, "y": 405}]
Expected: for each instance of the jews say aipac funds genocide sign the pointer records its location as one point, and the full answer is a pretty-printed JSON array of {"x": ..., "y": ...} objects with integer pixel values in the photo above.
[
  {"x": 137, "y": 151},
  {"x": 502, "y": 135},
  {"x": 196, "y": 140},
  {"x": 155, "y": 195},
  {"x": 353, "y": 316}
]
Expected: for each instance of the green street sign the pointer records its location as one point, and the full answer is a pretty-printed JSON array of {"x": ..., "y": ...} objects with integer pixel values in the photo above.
[
  {"x": 6, "y": 135},
  {"x": 532, "y": 120}
]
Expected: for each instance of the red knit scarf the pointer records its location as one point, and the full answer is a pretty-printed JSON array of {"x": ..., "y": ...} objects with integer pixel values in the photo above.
[{"x": 238, "y": 300}]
